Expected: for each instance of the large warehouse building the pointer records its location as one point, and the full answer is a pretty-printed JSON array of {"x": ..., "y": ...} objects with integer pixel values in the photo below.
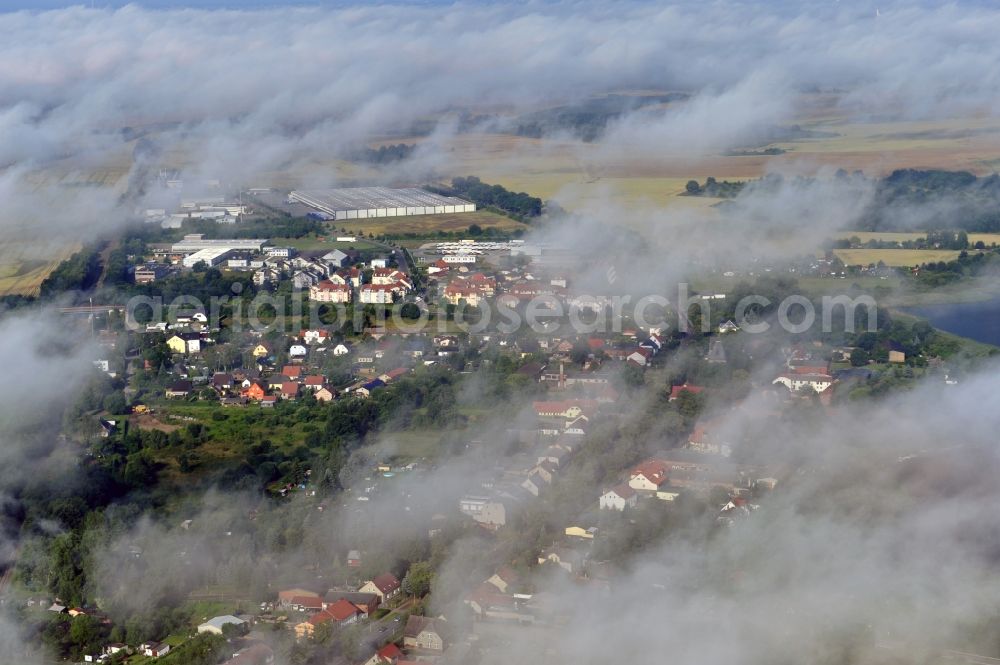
[
  {"x": 366, "y": 202},
  {"x": 195, "y": 242}
]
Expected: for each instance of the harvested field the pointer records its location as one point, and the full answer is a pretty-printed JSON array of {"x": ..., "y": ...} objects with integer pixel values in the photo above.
[{"x": 894, "y": 257}]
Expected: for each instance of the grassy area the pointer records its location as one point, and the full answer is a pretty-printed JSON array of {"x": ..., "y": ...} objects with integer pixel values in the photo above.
[
  {"x": 328, "y": 243},
  {"x": 894, "y": 257},
  {"x": 431, "y": 224}
]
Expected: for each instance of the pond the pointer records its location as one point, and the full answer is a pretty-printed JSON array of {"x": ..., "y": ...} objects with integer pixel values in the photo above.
[{"x": 976, "y": 320}]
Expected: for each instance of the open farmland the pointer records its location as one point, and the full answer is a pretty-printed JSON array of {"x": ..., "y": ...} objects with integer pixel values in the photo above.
[
  {"x": 431, "y": 224},
  {"x": 24, "y": 266},
  {"x": 894, "y": 257},
  {"x": 987, "y": 239}
]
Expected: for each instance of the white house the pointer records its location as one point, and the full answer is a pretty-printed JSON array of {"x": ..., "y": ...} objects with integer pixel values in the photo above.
[
  {"x": 341, "y": 350},
  {"x": 649, "y": 476},
  {"x": 796, "y": 382},
  {"x": 377, "y": 294},
  {"x": 154, "y": 649},
  {"x": 318, "y": 336},
  {"x": 619, "y": 498},
  {"x": 297, "y": 351}
]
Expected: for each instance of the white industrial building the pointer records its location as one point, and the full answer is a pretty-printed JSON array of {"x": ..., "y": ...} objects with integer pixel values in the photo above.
[
  {"x": 212, "y": 256},
  {"x": 367, "y": 202},
  {"x": 194, "y": 242}
]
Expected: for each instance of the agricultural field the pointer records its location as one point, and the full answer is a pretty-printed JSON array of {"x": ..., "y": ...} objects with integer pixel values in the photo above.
[
  {"x": 431, "y": 224},
  {"x": 987, "y": 239},
  {"x": 894, "y": 257},
  {"x": 24, "y": 266}
]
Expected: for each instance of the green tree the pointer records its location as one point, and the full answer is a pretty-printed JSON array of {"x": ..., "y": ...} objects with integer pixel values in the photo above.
[
  {"x": 859, "y": 357},
  {"x": 418, "y": 579}
]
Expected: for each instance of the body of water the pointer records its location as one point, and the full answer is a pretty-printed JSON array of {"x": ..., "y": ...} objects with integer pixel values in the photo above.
[{"x": 976, "y": 320}]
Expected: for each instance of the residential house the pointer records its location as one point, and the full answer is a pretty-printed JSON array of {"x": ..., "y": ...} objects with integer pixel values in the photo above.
[
  {"x": 391, "y": 277},
  {"x": 108, "y": 427},
  {"x": 390, "y": 654},
  {"x": 222, "y": 381},
  {"x": 490, "y": 513},
  {"x": 618, "y": 498},
  {"x": 154, "y": 649},
  {"x": 797, "y": 382},
  {"x": 728, "y": 327},
  {"x": 318, "y": 336},
  {"x": 255, "y": 391},
  {"x": 262, "y": 350},
  {"x": 293, "y": 372},
  {"x": 393, "y": 374},
  {"x": 675, "y": 391},
  {"x": 328, "y": 291},
  {"x": 568, "y": 409},
  {"x": 438, "y": 267},
  {"x": 368, "y": 388},
  {"x": 185, "y": 343},
  {"x": 366, "y": 602},
  {"x": 566, "y": 558},
  {"x": 581, "y": 533},
  {"x": 341, "y": 613},
  {"x": 256, "y": 654},
  {"x": 180, "y": 388},
  {"x": 385, "y": 586},
  {"x": 286, "y": 597},
  {"x": 378, "y": 294},
  {"x": 325, "y": 394},
  {"x": 341, "y": 350},
  {"x": 649, "y": 476},
  {"x": 297, "y": 351},
  {"x": 290, "y": 390},
  {"x": 313, "y": 382},
  {"x": 504, "y": 579},
  {"x": 307, "y": 603},
  {"x": 423, "y": 634}
]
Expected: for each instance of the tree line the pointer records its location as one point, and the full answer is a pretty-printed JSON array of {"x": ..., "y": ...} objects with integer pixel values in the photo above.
[{"x": 519, "y": 205}]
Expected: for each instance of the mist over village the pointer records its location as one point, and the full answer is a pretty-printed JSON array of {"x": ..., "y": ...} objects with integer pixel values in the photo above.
[{"x": 555, "y": 332}]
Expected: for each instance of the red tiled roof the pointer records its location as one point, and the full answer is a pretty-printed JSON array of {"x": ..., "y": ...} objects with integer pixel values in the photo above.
[
  {"x": 327, "y": 285},
  {"x": 314, "y": 602},
  {"x": 389, "y": 652},
  {"x": 676, "y": 391},
  {"x": 342, "y": 609},
  {"x": 654, "y": 470},
  {"x": 386, "y": 583}
]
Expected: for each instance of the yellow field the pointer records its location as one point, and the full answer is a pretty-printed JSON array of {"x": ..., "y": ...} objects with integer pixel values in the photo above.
[
  {"x": 430, "y": 224},
  {"x": 894, "y": 257},
  {"x": 24, "y": 266},
  {"x": 987, "y": 239}
]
